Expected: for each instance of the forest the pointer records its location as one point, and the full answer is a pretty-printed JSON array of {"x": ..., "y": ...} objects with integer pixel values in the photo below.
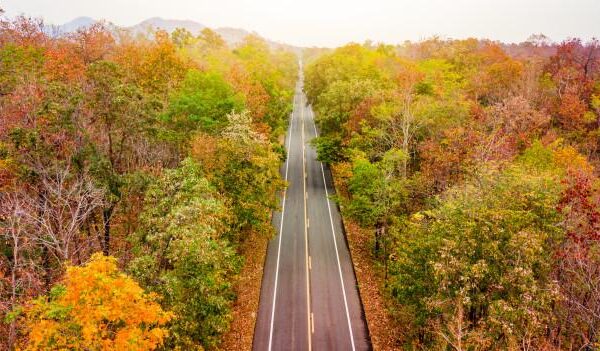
[
  {"x": 132, "y": 172},
  {"x": 136, "y": 171},
  {"x": 471, "y": 168}
]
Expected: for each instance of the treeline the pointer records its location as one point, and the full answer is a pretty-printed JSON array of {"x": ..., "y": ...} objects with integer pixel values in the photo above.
[
  {"x": 131, "y": 171},
  {"x": 477, "y": 173}
]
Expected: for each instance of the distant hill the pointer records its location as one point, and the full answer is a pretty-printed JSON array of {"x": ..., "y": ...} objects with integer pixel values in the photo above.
[
  {"x": 168, "y": 25},
  {"x": 232, "y": 36},
  {"x": 71, "y": 26},
  {"x": 79, "y": 22}
]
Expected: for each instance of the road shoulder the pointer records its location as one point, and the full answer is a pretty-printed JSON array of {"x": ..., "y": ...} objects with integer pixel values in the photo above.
[{"x": 247, "y": 288}]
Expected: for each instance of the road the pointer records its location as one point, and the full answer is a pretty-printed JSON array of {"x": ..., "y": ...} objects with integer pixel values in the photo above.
[{"x": 309, "y": 297}]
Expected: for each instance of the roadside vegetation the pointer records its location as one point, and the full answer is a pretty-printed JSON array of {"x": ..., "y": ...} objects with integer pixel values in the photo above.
[
  {"x": 133, "y": 171},
  {"x": 472, "y": 167}
]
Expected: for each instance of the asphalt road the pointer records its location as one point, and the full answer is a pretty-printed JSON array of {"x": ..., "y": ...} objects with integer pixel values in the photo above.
[{"x": 309, "y": 298}]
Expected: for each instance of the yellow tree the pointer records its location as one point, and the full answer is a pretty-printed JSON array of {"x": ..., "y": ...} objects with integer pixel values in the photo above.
[{"x": 96, "y": 308}]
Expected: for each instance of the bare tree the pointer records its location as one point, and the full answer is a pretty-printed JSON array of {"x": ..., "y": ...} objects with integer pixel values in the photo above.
[
  {"x": 405, "y": 123},
  {"x": 64, "y": 204},
  {"x": 455, "y": 331}
]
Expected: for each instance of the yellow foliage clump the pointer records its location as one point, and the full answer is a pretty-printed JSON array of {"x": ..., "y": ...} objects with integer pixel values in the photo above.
[
  {"x": 96, "y": 307},
  {"x": 569, "y": 158}
]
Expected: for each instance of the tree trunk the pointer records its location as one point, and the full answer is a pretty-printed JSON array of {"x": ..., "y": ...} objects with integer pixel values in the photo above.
[
  {"x": 107, "y": 216},
  {"x": 12, "y": 328},
  {"x": 378, "y": 230},
  {"x": 385, "y": 263},
  {"x": 46, "y": 268}
]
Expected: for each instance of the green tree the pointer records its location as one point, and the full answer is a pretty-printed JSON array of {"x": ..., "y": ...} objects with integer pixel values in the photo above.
[
  {"x": 378, "y": 196},
  {"x": 339, "y": 100},
  {"x": 118, "y": 121},
  {"x": 475, "y": 270},
  {"x": 245, "y": 167},
  {"x": 181, "y": 253},
  {"x": 202, "y": 103}
]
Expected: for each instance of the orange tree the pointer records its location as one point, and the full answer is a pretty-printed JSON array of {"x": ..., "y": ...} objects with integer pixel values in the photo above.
[{"x": 96, "y": 308}]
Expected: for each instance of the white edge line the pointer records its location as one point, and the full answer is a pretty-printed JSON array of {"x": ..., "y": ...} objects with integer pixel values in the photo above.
[
  {"x": 335, "y": 244},
  {"x": 280, "y": 232}
]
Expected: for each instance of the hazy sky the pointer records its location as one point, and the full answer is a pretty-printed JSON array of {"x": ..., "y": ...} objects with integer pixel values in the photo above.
[{"x": 335, "y": 22}]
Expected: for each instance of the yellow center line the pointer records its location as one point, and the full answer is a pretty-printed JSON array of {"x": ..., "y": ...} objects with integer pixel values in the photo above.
[{"x": 309, "y": 314}]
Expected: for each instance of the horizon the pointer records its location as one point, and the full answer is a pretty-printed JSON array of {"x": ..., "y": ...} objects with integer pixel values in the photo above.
[{"x": 380, "y": 23}]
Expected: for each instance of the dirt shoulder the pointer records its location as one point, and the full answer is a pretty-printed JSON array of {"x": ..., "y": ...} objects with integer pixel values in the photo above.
[
  {"x": 239, "y": 337},
  {"x": 247, "y": 289}
]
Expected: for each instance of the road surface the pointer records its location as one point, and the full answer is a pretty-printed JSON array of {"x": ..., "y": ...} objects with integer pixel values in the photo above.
[{"x": 309, "y": 298}]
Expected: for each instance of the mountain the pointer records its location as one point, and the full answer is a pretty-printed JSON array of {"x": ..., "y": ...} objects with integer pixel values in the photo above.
[
  {"x": 168, "y": 25},
  {"x": 77, "y": 23},
  {"x": 232, "y": 36},
  {"x": 71, "y": 26}
]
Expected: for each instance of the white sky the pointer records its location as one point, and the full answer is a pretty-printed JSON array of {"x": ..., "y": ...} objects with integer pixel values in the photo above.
[{"x": 335, "y": 22}]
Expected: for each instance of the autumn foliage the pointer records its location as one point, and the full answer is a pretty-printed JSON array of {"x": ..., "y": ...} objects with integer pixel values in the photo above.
[
  {"x": 96, "y": 307},
  {"x": 474, "y": 164},
  {"x": 98, "y": 129}
]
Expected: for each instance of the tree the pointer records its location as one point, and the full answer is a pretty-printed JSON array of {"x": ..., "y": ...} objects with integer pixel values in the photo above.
[
  {"x": 93, "y": 42},
  {"x": 182, "y": 254},
  {"x": 578, "y": 263},
  {"x": 486, "y": 248},
  {"x": 93, "y": 128},
  {"x": 509, "y": 126},
  {"x": 329, "y": 149},
  {"x": 202, "y": 103},
  {"x": 349, "y": 62},
  {"x": 95, "y": 307},
  {"x": 267, "y": 80},
  {"x": 116, "y": 121},
  {"x": 489, "y": 250},
  {"x": 211, "y": 39},
  {"x": 64, "y": 204},
  {"x": 156, "y": 67},
  {"x": 573, "y": 71},
  {"x": 405, "y": 119},
  {"x": 446, "y": 159},
  {"x": 245, "y": 167},
  {"x": 181, "y": 37},
  {"x": 377, "y": 195},
  {"x": 18, "y": 265},
  {"x": 255, "y": 95},
  {"x": 23, "y": 31},
  {"x": 64, "y": 62}
]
